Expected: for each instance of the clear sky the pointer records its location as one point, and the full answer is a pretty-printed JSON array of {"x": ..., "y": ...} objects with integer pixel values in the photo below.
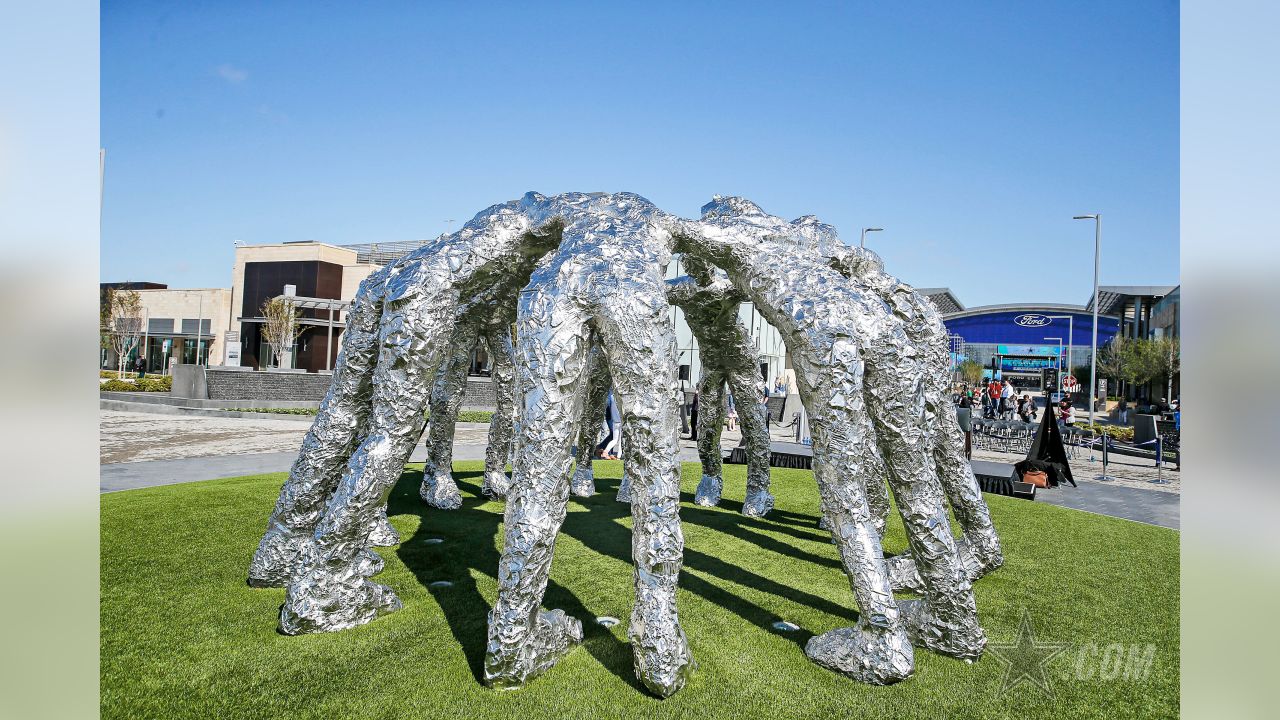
[{"x": 971, "y": 132}]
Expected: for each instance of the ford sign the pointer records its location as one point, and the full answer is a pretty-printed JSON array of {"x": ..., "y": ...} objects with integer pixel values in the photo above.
[{"x": 1031, "y": 320}]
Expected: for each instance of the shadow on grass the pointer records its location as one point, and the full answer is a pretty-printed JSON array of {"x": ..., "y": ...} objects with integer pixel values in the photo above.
[
  {"x": 469, "y": 535},
  {"x": 470, "y": 546}
]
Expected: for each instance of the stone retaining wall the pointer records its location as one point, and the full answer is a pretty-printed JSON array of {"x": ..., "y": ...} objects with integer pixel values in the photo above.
[
  {"x": 261, "y": 385},
  {"x": 281, "y": 386}
]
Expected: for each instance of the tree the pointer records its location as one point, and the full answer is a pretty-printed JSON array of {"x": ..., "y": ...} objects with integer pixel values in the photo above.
[
  {"x": 971, "y": 371},
  {"x": 1164, "y": 358},
  {"x": 281, "y": 327},
  {"x": 121, "y": 315}
]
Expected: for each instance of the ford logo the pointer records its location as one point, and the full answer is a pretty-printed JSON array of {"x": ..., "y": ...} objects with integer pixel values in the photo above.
[{"x": 1031, "y": 320}]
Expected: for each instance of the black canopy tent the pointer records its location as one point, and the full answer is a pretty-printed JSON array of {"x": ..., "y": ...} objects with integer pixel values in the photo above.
[{"x": 1048, "y": 453}]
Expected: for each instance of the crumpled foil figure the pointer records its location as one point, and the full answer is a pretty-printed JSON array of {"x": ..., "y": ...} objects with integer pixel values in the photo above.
[
  {"x": 488, "y": 320},
  {"x": 862, "y": 381},
  {"x": 333, "y": 435},
  {"x": 422, "y": 295},
  {"x": 606, "y": 279},
  {"x": 979, "y": 548},
  {"x": 594, "y": 313},
  {"x": 729, "y": 357},
  {"x": 599, "y": 382}
]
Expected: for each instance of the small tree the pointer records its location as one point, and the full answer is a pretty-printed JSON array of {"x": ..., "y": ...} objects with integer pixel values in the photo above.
[
  {"x": 1165, "y": 360},
  {"x": 281, "y": 327},
  {"x": 971, "y": 371},
  {"x": 121, "y": 313}
]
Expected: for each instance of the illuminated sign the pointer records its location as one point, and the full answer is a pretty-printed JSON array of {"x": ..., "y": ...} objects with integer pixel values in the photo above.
[
  {"x": 1049, "y": 350},
  {"x": 1026, "y": 364},
  {"x": 1032, "y": 320}
]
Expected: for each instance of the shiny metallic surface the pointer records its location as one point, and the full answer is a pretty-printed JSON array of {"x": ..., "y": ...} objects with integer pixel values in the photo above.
[
  {"x": 862, "y": 381},
  {"x": 447, "y": 393},
  {"x": 729, "y": 358},
  {"x": 595, "y": 314},
  {"x": 596, "y": 399},
  {"x": 327, "y": 445},
  {"x": 497, "y": 340},
  {"x": 605, "y": 279},
  {"x": 488, "y": 319},
  {"x": 979, "y": 548},
  {"x": 421, "y": 299}
]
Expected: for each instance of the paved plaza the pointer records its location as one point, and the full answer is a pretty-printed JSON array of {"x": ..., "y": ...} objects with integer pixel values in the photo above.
[{"x": 144, "y": 449}]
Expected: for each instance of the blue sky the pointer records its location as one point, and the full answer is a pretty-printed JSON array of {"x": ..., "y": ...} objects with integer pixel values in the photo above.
[{"x": 971, "y": 132}]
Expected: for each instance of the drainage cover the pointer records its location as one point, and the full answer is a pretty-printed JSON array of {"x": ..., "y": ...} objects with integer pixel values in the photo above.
[{"x": 607, "y": 621}]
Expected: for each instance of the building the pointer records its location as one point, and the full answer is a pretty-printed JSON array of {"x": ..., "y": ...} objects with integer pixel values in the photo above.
[
  {"x": 1017, "y": 341},
  {"x": 324, "y": 278},
  {"x": 178, "y": 326}
]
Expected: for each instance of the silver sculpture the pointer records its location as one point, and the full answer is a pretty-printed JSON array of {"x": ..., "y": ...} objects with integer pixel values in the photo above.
[
  {"x": 862, "y": 382},
  {"x": 594, "y": 314},
  {"x": 729, "y": 357},
  {"x": 606, "y": 278},
  {"x": 488, "y": 321}
]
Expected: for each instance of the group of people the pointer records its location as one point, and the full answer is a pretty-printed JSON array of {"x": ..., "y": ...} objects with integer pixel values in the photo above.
[{"x": 998, "y": 400}]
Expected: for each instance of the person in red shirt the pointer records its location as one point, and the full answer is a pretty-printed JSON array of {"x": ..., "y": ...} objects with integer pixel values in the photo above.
[{"x": 993, "y": 394}]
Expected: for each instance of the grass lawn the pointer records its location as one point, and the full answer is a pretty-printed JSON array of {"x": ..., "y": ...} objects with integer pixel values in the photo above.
[{"x": 183, "y": 636}]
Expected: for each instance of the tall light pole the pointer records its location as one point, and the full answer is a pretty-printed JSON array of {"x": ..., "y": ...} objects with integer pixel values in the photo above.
[
  {"x": 1071, "y": 330},
  {"x": 863, "y": 242},
  {"x": 1059, "y": 361},
  {"x": 1093, "y": 354}
]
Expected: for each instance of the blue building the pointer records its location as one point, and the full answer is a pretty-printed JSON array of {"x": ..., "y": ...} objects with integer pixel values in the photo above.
[{"x": 1016, "y": 341}]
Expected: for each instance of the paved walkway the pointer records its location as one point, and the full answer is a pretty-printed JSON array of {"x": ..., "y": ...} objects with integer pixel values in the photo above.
[{"x": 145, "y": 450}]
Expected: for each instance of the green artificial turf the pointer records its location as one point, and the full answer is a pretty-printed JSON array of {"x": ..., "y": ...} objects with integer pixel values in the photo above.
[{"x": 183, "y": 636}]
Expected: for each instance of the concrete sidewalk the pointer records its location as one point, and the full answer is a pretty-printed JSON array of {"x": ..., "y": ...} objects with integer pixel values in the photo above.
[
  {"x": 131, "y": 475},
  {"x": 114, "y": 477}
]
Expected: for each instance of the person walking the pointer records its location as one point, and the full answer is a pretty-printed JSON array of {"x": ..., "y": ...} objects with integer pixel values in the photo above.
[
  {"x": 693, "y": 416},
  {"x": 1122, "y": 410},
  {"x": 140, "y": 366},
  {"x": 993, "y": 394},
  {"x": 1006, "y": 401}
]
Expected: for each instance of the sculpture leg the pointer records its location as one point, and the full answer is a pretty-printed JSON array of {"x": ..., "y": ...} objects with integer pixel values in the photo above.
[
  {"x": 979, "y": 547},
  {"x": 876, "y": 650},
  {"x": 329, "y": 590},
  {"x": 438, "y": 488},
  {"x": 945, "y": 619},
  {"x": 525, "y": 641},
  {"x": 748, "y": 396},
  {"x": 710, "y": 422},
  {"x": 639, "y": 339},
  {"x": 501, "y": 426},
  {"x": 327, "y": 445},
  {"x": 597, "y": 397}
]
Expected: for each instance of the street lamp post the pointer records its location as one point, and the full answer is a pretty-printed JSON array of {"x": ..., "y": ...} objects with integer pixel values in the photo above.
[
  {"x": 1071, "y": 334},
  {"x": 1059, "y": 360},
  {"x": 863, "y": 242},
  {"x": 1093, "y": 346}
]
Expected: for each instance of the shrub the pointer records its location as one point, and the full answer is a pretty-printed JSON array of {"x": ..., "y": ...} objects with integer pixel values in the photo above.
[
  {"x": 156, "y": 384},
  {"x": 1115, "y": 432},
  {"x": 146, "y": 384},
  {"x": 113, "y": 375}
]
